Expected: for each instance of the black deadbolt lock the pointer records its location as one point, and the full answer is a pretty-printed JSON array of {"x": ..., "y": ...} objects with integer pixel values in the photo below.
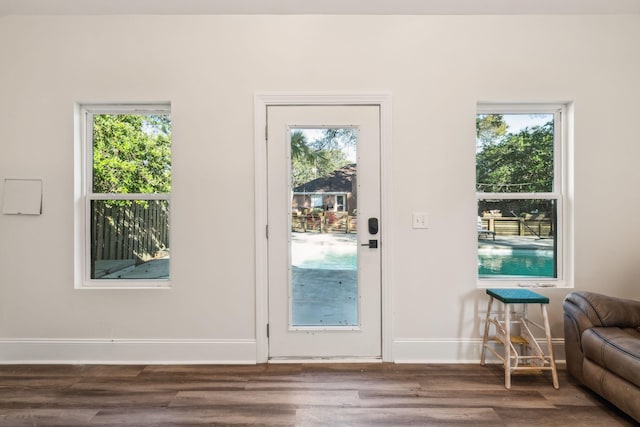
[{"x": 373, "y": 225}]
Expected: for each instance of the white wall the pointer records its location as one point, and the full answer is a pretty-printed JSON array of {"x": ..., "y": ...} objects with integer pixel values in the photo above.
[{"x": 437, "y": 69}]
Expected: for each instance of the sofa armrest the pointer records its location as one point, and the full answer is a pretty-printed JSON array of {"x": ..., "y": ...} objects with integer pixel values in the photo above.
[{"x": 577, "y": 318}]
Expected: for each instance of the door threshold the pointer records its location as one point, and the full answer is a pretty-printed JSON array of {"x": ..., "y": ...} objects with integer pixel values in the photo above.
[{"x": 284, "y": 360}]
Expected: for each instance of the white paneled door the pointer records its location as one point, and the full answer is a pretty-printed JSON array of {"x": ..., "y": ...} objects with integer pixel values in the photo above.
[{"x": 324, "y": 246}]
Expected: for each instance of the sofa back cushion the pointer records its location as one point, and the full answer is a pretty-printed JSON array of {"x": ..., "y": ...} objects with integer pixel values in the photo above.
[{"x": 604, "y": 310}]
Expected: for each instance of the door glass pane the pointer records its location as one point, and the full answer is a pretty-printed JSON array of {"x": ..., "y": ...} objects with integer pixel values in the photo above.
[{"x": 323, "y": 241}]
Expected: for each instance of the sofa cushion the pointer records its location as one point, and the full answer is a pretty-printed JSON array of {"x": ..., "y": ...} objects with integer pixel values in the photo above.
[{"x": 615, "y": 349}]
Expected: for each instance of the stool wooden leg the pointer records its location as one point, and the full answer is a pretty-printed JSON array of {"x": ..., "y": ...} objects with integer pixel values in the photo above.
[
  {"x": 485, "y": 337},
  {"x": 507, "y": 346},
  {"x": 552, "y": 359}
]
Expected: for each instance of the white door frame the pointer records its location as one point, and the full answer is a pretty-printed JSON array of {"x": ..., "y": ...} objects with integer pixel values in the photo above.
[{"x": 261, "y": 101}]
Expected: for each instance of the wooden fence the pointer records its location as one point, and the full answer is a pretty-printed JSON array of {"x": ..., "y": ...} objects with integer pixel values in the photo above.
[
  {"x": 515, "y": 226},
  {"x": 129, "y": 229},
  {"x": 324, "y": 222}
]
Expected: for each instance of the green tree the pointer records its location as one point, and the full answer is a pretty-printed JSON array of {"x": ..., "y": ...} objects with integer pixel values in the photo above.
[
  {"x": 520, "y": 162},
  {"x": 490, "y": 128},
  {"x": 131, "y": 153},
  {"x": 313, "y": 159}
]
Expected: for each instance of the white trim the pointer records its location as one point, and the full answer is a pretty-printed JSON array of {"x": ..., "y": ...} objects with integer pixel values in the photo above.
[
  {"x": 320, "y": 360},
  {"x": 519, "y": 107},
  {"x": 83, "y": 114},
  {"x": 567, "y": 206},
  {"x": 297, "y": 7},
  {"x": 148, "y": 108},
  {"x": 127, "y": 351},
  {"x": 517, "y": 196},
  {"x": 561, "y": 192},
  {"x": 324, "y": 193},
  {"x": 261, "y": 101},
  {"x": 130, "y": 196}
]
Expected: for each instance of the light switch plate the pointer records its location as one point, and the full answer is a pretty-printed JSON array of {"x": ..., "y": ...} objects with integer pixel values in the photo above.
[{"x": 420, "y": 220}]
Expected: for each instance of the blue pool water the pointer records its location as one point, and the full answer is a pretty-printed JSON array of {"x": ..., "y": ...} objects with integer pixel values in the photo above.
[
  {"x": 332, "y": 254},
  {"x": 327, "y": 260},
  {"x": 515, "y": 262},
  {"x": 324, "y": 252}
]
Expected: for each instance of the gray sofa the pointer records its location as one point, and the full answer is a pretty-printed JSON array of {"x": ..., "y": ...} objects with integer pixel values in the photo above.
[{"x": 602, "y": 346}]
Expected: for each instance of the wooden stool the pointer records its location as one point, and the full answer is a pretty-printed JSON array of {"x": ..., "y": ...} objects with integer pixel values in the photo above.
[{"x": 531, "y": 356}]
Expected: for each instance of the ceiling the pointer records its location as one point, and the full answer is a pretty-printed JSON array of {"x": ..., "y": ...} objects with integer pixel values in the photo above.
[{"x": 317, "y": 7}]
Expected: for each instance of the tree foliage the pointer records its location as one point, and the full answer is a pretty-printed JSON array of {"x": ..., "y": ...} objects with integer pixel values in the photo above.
[
  {"x": 131, "y": 153},
  {"x": 514, "y": 162},
  {"x": 313, "y": 159},
  {"x": 490, "y": 128}
]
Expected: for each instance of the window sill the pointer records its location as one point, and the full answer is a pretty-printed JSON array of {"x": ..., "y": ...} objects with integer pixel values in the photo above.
[
  {"x": 529, "y": 284},
  {"x": 124, "y": 284}
]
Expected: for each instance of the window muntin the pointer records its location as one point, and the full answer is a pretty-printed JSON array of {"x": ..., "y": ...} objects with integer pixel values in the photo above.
[
  {"x": 519, "y": 188},
  {"x": 127, "y": 187}
]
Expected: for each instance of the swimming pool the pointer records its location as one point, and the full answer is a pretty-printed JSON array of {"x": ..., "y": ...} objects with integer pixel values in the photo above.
[
  {"x": 515, "y": 262},
  {"x": 332, "y": 253},
  {"x": 324, "y": 252},
  {"x": 329, "y": 261}
]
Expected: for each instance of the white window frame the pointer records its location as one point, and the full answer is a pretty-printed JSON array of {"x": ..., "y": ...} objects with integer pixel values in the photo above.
[
  {"x": 561, "y": 194},
  {"x": 336, "y": 204},
  {"x": 314, "y": 198},
  {"x": 84, "y": 195}
]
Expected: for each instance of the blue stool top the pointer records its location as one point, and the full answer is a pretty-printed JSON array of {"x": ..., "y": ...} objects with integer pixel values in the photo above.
[{"x": 517, "y": 296}]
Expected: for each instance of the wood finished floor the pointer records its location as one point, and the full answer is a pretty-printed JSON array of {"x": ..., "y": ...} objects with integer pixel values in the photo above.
[{"x": 293, "y": 395}]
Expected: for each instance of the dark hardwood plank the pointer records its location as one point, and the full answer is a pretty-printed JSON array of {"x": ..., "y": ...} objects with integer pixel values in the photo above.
[
  {"x": 293, "y": 395},
  {"x": 398, "y": 417},
  {"x": 297, "y": 398},
  {"x": 457, "y": 399},
  {"x": 584, "y": 417},
  {"x": 47, "y": 417},
  {"x": 249, "y": 416}
]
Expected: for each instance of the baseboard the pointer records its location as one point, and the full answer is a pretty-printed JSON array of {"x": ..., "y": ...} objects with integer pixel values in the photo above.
[
  {"x": 157, "y": 351},
  {"x": 321, "y": 360},
  {"x": 451, "y": 351},
  {"x": 126, "y": 351}
]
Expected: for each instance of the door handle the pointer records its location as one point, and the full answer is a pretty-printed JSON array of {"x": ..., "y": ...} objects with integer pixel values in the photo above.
[{"x": 373, "y": 244}]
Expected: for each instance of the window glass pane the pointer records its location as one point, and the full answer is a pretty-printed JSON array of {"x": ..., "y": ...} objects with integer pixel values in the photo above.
[
  {"x": 131, "y": 153},
  {"x": 514, "y": 153},
  {"x": 323, "y": 239},
  {"x": 316, "y": 201},
  {"x": 130, "y": 239},
  {"x": 517, "y": 238}
]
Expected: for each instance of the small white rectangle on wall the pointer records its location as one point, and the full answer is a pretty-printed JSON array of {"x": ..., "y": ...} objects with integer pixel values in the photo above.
[{"x": 22, "y": 197}]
